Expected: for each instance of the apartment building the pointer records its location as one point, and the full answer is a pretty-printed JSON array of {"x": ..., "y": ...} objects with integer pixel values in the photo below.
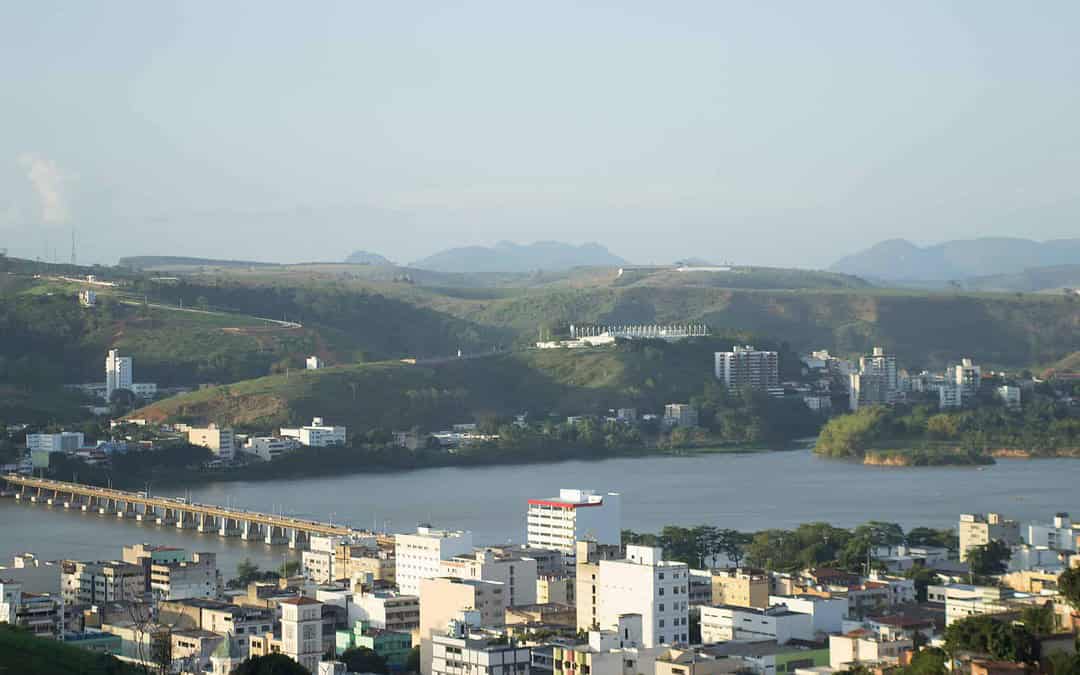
[
  {"x": 92, "y": 583},
  {"x": 976, "y": 529},
  {"x": 587, "y": 573},
  {"x": 219, "y": 440},
  {"x": 444, "y": 599},
  {"x": 460, "y": 652},
  {"x": 269, "y": 448},
  {"x": 516, "y": 573},
  {"x": 387, "y": 610},
  {"x": 558, "y": 523},
  {"x": 420, "y": 555},
  {"x": 680, "y": 415},
  {"x": 182, "y": 579},
  {"x": 646, "y": 584},
  {"x": 65, "y": 441},
  {"x": 301, "y": 631},
  {"x": 1061, "y": 534},
  {"x": 740, "y": 588},
  {"x": 746, "y": 367},
  {"x": 876, "y": 383}
]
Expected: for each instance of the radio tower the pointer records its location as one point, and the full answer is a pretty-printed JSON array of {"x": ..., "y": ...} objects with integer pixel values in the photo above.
[{"x": 73, "y": 246}]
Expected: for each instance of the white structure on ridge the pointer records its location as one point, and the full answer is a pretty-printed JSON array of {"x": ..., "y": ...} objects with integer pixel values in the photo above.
[
  {"x": 419, "y": 556},
  {"x": 646, "y": 585},
  {"x": 316, "y": 435},
  {"x": 314, "y": 363},
  {"x": 560, "y": 522},
  {"x": 745, "y": 366}
]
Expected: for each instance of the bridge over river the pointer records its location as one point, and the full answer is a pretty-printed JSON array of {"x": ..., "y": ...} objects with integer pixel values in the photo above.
[{"x": 175, "y": 512}]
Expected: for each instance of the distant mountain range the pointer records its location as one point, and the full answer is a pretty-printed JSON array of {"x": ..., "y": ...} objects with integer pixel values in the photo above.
[
  {"x": 367, "y": 258},
  {"x": 508, "y": 257},
  {"x": 898, "y": 260}
]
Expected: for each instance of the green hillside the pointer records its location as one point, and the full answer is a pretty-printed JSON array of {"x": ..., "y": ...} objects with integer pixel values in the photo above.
[
  {"x": 21, "y": 652},
  {"x": 399, "y": 396},
  {"x": 923, "y": 329}
]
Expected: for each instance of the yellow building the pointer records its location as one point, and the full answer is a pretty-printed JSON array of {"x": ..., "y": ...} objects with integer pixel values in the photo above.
[{"x": 740, "y": 588}]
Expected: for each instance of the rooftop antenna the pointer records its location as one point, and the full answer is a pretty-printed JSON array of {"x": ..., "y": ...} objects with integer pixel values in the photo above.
[{"x": 73, "y": 246}]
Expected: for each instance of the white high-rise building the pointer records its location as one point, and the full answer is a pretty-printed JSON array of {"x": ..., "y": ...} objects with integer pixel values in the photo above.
[
  {"x": 876, "y": 383},
  {"x": 118, "y": 372},
  {"x": 967, "y": 376},
  {"x": 559, "y": 522},
  {"x": 647, "y": 585},
  {"x": 419, "y": 556},
  {"x": 745, "y": 366},
  {"x": 301, "y": 631}
]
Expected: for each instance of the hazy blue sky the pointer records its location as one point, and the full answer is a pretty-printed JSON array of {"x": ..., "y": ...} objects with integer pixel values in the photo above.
[{"x": 784, "y": 133}]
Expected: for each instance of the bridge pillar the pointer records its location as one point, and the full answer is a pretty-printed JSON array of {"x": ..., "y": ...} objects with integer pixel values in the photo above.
[
  {"x": 206, "y": 523},
  {"x": 229, "y": 527},
  {"x": 184, "y": 520},
  {"x": 298, "y": 539},
  {"x": 249, "y": 530},
  {"x": 275, "y": 535}
]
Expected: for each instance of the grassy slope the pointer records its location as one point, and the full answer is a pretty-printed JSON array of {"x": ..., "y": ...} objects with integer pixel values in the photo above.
[{"x": 396, "y": 396}]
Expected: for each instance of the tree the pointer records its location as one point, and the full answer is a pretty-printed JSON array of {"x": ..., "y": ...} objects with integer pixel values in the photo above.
[
  {"x": 929, "y": 661},
  {"x": 412, "y": 665},
  {"x": 1069, "y": 585},
  {"x": 1039, "y": 620},
  {"x": 271, "y": 664},
  {"x": 363, "y": 660},
  {"x": 923, "y": 577},
  {"x": 732, "y": 544},
  {"x": 989, "y": 559},
  {"x": 985, "y": 634},
  {"x": 246, "y": 571}
]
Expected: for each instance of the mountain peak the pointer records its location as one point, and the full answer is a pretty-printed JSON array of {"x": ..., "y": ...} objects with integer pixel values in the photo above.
[{"x": 511, "y": 257}]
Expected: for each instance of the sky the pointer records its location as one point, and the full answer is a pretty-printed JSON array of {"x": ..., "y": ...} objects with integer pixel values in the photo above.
[{"x": 770, "y": 133}]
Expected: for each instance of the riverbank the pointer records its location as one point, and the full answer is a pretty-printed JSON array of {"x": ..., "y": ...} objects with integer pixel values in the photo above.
[
  {"x": 344, "y": 461},
  {"x": 954, "y": 455}
]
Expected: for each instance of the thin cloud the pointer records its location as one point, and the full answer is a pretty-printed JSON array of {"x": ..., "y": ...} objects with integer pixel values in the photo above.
[{"x": 48, "y": 181}]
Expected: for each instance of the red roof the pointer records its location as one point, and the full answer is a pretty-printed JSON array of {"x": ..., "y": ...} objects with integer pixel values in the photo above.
[{"x": 564, "y": 505}]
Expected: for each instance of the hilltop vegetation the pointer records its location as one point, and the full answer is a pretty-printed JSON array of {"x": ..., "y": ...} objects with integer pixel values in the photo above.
[{"x": 391, "y": 396}]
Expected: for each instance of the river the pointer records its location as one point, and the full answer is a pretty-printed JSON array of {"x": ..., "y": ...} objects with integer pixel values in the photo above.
[{"x": 743, "y": 491}]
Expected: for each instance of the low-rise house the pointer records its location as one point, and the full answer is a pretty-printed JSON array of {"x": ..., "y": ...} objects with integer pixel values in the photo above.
[
  {"x": 391, "y": 645},
  {"x": 769, "y": 658},
  {"x": 386, "y": 609},
  {"x": 863, "y": 647},
  {"x": 726, "y": 623},
  {"x": 827, "y": 614}
]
